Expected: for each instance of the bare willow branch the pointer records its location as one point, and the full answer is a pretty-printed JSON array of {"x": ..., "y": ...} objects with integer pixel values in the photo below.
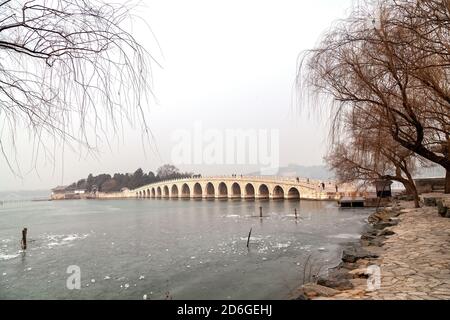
[
  {"x": 390, "y": 63},
  {"x": 70, "y": 70}
]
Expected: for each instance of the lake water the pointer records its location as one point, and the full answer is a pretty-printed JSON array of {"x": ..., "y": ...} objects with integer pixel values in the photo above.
[{"x": 181, "y": 249}]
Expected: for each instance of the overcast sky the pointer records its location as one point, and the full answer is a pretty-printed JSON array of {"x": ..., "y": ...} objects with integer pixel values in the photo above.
[{"x": 226, "y": 65}]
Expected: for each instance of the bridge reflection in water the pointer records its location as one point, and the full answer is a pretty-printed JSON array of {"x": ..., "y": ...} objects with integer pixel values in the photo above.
[{"x": 227, "y": 187}]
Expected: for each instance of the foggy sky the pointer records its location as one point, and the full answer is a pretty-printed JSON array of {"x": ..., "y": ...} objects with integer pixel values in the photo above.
[{"x": 226, "y": 64}]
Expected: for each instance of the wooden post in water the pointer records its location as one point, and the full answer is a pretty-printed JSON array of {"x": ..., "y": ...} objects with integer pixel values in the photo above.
[
  {"x": 260, "y": 212},
  {"x": 295, "y": 213},
  {"x": 249, "y": 236},
  {"x": 24, "y": 238}
]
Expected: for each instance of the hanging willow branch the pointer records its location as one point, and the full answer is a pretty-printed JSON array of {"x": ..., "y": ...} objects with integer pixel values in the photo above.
[{"x": 69, "y": 70}]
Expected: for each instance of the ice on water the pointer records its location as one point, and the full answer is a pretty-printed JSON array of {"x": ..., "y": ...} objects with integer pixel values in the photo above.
[
  {"x": 61, "y": 240},
  {"x": 346, "y": 236},
  {"x": 4, "y": 256}
]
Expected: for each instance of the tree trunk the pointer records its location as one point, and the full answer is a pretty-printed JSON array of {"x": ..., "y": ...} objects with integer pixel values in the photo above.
[
  {"x": 411, "y": 185},
  {"x": 412, "y": 190},
  {"x": 416, "y": 197}
]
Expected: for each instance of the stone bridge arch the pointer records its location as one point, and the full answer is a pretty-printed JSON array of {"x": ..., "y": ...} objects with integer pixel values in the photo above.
[
  {"x": 210, "y": 191},
  {"x": 278, "y": 193},
  {"x": 293, "y": 194},
  {"x": 166, "y": 193},
  {"x": 222, "y": 191},
  {"x": 249, "y": 191},
  {"x": 263, "y": 192},
  {"x": 174, "y": 193},
  {"x": 197, "y": 191},
  {"x": 236, "y": 192},
  {"x": 185, "y": 191}
]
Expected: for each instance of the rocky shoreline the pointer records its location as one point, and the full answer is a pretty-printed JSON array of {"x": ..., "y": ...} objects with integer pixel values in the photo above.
[{"x": 381, "y": 243}]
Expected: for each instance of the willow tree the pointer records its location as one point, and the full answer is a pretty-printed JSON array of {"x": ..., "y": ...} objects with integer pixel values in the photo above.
[
  {"x": 69, "y": 71},
  {"x": 368, "y": 154},
  {"x": 389, "y": 62}
]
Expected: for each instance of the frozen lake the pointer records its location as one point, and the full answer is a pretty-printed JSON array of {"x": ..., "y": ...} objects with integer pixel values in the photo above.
[{"x": 182, "y": 249}]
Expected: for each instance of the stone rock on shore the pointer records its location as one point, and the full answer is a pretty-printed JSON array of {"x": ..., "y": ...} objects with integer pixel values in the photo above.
[
  {"x": 354, "y": 254},
  {"x": 384, "y": 225},
  {"x": 430, "y": 201},
  {"x": 337, "y": 284},
  {"x": 377, "y": 242},
  {"x": 386, "y": 233},
  {"x": 370, "y": 235},
  {"x": 414, "y": 263},
  {"x": 315, "y": 290},
  {"x": 443, "y": 209},
  {"x": 383, "y": 216},
  {"x": 341, "y": 272},
  {"x": 352, "y": 271},
  {"x": 359, "y": 273},
  {"x": 407, "y": 197},
  {"x": 300, "y": 295}
]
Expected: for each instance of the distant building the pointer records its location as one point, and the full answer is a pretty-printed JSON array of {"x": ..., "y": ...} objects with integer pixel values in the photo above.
[
  {"x": 59, "y": 189},
  {"x": 429, "y": 185},
  {"x": 383, "y": 188},
  {"x": 58, "y": 193},
  {"x": 65, "y": 192}
]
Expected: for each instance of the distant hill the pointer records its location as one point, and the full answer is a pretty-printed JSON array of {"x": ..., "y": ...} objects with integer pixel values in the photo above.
[{"x": 311, "y": 172}]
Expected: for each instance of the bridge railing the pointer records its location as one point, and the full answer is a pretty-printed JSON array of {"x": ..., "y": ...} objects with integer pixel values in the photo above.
[{"x": 310, "y": 183}]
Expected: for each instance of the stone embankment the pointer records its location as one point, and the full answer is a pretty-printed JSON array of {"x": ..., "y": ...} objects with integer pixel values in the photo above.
[{"x": 409, "y": 247}]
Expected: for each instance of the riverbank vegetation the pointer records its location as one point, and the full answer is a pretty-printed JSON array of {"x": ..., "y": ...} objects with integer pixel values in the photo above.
[
  {"x": 118, "y": 181},
  {"x": 384, "y": 71}
]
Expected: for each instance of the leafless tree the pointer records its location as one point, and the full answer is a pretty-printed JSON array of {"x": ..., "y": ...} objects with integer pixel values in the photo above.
[
  {"x": 368, "y": 154},
  {"x": 70, "y": 73},
  {"x": 389, "y": 62}
]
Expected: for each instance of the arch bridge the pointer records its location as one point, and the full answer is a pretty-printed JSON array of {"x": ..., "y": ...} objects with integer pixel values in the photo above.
[{"x": 228, "y": 187}]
